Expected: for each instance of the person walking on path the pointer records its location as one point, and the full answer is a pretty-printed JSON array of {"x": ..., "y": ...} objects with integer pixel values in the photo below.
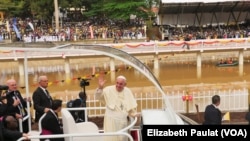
[
  {"x": 187, "y": 38},
  {"x": 120, "y": 103}
]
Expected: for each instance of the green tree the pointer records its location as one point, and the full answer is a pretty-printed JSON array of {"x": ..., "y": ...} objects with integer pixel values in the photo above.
[
  {"x": 119, "y": 9},
  {"x": 113, "y": 9},
  {"x": 12, "y": 8},
  {"x": 78, "y": 7},
  {"x": 42, "y": 9}
]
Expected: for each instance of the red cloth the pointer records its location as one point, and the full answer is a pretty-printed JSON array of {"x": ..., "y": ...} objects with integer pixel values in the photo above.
[
  {"x": 46, "y": 132},
  {"x": 134, "y": 135}
]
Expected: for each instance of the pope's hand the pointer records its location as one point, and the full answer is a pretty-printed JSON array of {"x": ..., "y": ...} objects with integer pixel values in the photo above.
[{"x": 101, "y": 82}]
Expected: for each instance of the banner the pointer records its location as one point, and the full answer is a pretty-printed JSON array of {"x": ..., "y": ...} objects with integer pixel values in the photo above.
[
  {"x": 18, "y": 35},
  {"x": 16, "y": 31},
  {"x": 31, "y": 26}
]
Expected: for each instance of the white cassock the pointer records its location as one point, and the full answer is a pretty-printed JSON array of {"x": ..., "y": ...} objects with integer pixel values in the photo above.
[{"x": 119, "y": 105}]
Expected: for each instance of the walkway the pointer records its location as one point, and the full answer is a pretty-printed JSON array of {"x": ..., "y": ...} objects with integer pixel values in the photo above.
[{"x": 57, "y": 50}]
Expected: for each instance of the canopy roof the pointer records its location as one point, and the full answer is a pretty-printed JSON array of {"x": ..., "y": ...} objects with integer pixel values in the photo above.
[
  {"x": 199, "y": 1},
  {"x": 203, "y": 6}
]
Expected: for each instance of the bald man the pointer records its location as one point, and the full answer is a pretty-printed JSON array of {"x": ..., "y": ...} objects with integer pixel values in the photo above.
[
  {"x": 16, "y": 104},
  {"x": 120, "y": 103}
]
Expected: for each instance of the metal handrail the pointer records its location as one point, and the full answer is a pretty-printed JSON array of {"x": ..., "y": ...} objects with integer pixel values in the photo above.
[
  {"x": 187, "y": 119},
  {"x": 20, "y": 121},
  {"x": 40, "y": 122},
  {"x": 85, "y": 110},
  {"x": 129, "y": 126},
  {"x": 134, "y": 120},
  {"x": 71, "y": 136},
  {"x": 120, "y": 132}
]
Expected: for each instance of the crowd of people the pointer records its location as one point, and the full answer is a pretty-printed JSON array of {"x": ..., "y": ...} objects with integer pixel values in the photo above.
[
  {"x": 97, "y": 28},
  {"x": 93, "y": 28},
  {"x": 208, "y": 32},
  {"x": 118, "y": 99}
]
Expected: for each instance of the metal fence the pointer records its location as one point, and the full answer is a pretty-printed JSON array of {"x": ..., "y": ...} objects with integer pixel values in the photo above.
[{"x": 231, "y": 100}]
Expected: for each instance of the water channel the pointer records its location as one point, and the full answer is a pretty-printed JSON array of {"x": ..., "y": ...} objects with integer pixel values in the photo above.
[{"x": 176, "y": 71}]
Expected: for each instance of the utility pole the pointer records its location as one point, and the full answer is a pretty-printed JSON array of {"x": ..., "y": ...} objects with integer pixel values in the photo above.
[{"x": 56, "y": 15}]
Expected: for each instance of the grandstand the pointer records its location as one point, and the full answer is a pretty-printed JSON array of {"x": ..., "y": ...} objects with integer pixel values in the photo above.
[{"x": 203, "y": 13}]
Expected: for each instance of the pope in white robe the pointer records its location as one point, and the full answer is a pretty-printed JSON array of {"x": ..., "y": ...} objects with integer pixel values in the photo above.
[{"x": 120, "y": 103}]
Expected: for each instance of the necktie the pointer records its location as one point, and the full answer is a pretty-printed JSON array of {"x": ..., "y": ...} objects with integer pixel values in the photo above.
[
  {"x": 47, "y": 93},
  {"x": 20, "y": 105},
  {"x": 49, "y": 97}
]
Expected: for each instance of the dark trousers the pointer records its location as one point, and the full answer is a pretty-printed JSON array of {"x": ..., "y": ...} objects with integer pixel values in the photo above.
[
  {"x": 185, "y": 44},
  {"x": 26, "y": 126}
]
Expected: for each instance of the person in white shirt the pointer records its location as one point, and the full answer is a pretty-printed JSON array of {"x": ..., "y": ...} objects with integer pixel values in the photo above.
[{"x": 120, "y": 103}]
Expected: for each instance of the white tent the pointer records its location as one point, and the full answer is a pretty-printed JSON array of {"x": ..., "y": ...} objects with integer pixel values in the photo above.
[
  {"x": 203, "y": 12},
  {"x": 199, "y": 1}
]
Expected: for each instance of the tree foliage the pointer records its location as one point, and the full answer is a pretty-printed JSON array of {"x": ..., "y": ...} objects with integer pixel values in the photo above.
[
  {"x": 42, "y": 9},
  {"x": 119, "y": 9},
  {"x": 113, "y": 9},
  {"x": 12, "y": 7}
]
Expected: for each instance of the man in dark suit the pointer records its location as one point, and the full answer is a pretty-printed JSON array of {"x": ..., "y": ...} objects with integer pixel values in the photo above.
[
  {"x": 212, "y": 115},
  {"x": 51, "y": 123},
  {"x": 16, "y": 104},
  {"x": 42, "y": 100}
]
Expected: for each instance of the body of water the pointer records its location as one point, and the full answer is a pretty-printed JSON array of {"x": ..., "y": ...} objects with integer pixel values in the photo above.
[{"x": 175, "y": 70}]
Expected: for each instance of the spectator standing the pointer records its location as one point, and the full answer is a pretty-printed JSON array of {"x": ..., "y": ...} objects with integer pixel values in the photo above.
[
  {"x": 187, "y": 38},
  {"x": 212, "y": 115},
  {"x": 120, "y": 103},
  {"x": 41, "y": 98},
  {"x": 16, "y": 104}
]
